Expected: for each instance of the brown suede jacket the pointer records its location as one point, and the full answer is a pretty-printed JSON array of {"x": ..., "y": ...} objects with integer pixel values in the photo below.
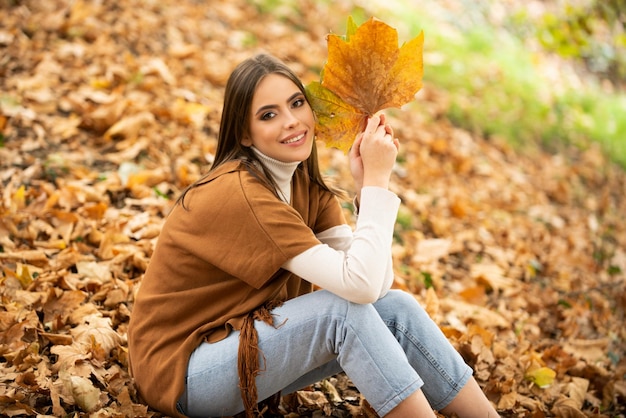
[{"x": 217, "y": 262}]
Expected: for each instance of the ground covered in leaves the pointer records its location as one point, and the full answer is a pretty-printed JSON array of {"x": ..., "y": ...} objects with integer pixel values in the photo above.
[{"x": 109, "y": 109}]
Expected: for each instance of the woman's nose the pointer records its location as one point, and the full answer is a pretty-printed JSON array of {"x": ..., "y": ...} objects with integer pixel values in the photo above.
[{"x": 291, "y": 120}]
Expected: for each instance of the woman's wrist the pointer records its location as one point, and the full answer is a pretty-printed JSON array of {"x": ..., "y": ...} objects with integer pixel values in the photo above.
[{"x": 376, "y": 181}]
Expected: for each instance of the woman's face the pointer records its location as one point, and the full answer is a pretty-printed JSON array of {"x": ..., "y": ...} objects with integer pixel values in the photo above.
[{"x": 281, "y": 120}]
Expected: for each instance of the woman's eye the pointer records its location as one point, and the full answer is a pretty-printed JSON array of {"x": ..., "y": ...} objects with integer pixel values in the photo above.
[
  {"x": 298, "y": 103},
  {"x": 267, "y": 115}
]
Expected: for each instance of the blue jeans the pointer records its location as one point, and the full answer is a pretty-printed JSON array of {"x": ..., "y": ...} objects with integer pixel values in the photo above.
[{"x": 388, "y": 349}]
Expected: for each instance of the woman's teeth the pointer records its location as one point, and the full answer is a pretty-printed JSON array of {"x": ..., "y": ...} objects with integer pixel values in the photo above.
[{"x": 295, "y": 139}]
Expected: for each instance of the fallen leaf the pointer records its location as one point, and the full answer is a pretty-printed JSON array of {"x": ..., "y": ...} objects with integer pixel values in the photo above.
[
  {"x": 94, "y": 270},
  {"x": 313, "y": 399},
  {"x": 542, "y": 376},
  {"x": 590, "y": 350},
  {"x": 130, "y": 126},
  {"x": 71, "y": 358},
  {"x": 96, "y": 333},
  {"x": 507, "y": 401},
  {"x": 330, "y": 391},
  {"x": 59, "y": 307},
  {"x": 34, "y": 256},
  {"x": 491, "y": 275},
  {"x": 484, "y": 317},
  {"x": 567, "y": 408},
  {"x": 431, "y": 250},
  {"x": 85, "y": 394}
]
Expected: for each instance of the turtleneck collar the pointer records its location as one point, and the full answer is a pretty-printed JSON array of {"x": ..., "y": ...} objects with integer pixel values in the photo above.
[{"x": 280, "y": 171}]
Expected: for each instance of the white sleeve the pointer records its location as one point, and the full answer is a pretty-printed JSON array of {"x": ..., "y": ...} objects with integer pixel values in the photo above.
[
  {"x": 358, "y": 269},
  {"x": 338, "y": 237}
]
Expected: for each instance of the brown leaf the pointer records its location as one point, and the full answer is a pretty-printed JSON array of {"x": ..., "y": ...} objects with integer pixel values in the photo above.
[
  {"x": 61, "y": 306},
  {"x": 57, "y": 339},
  {"x": 85, "y": 394},
  {"x": 591, "y": 350},
  {"x": 567, "y": 408},
  {"x": 36, "y": 257},
  {"x": 96, "y": 333},
  {"x": 431, "y": 250},
  {"x": 482, "y": 316},
  {"x": 313, "y": 399},
  {"x": 71, "y": 358},
  {"x": 15, "y": 341},
  {"x": 493, "y": 276},
  {"x": 94, "y": 271},
  {"x": 130, "y": 126},
  {"x": 507, "y": 401}
]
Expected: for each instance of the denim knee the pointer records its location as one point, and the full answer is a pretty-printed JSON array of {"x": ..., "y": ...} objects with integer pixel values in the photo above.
[{"x": 400, "y": 304}]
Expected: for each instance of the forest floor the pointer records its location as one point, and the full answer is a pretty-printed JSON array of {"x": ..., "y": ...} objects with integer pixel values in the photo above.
[{"x": 109, "y": 109}]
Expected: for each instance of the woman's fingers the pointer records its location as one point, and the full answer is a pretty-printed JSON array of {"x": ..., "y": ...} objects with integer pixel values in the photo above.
[
  {"x": 388, "y": 129},
  {"x": 355, "y": 150},
  {"x": 375, "y": 149},
  {"x": 372, "y": 125},
  {"x": 376, "y": 139}
]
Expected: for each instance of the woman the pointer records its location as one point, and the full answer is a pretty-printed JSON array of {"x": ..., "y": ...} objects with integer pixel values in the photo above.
[{"x": 226, "y": 314}]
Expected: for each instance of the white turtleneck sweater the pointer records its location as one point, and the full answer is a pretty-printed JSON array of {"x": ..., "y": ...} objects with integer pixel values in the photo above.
[{"x": 354, "y": 265}]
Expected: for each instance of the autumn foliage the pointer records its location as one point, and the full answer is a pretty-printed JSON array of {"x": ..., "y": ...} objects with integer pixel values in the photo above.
[
  {"x": 109, "y": 109},
  {"x": 365, "y": 72}
]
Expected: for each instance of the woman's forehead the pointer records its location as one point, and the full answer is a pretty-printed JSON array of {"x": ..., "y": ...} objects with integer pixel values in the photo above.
[{"x": 274, "y": 89}]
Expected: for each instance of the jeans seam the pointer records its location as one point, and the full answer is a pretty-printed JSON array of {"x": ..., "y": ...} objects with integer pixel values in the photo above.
[
  {"x": 398, "y": 394},
  {"x": 399, "y": 397},
  {"x": 454, "y": 386},
  {"x": 453, "y": 391},
  {"x": 179, "y": 408}
]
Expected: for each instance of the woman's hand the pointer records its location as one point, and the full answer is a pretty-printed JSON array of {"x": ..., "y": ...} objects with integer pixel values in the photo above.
[{"x": 373, "y": 154}]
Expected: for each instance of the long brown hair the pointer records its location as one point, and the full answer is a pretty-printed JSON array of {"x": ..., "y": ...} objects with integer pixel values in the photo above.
[{"x": 235, "y": 122}]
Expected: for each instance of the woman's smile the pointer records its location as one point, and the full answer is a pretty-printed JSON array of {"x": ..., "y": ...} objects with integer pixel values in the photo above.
[{"x": 295, "y": 139}]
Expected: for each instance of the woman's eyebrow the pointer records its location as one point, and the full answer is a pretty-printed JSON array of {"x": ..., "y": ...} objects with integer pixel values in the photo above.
[{"x": 273, "y": 106}]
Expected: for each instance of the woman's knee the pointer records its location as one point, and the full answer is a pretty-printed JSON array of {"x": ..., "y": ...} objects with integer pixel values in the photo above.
[
  {"x": 326, "y": 299},
  {"x": 400, "y": 305},
  {"x": 324, "y": 304},
  {"x": 401, "y": 297},
  {"x": 399, "y": 300}
]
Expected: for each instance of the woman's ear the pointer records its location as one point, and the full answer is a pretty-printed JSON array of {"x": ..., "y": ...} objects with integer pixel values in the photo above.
[{"x": 246, "y": 141}]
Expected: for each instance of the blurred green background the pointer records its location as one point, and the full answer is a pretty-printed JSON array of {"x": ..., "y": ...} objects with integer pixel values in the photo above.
[{"x": 538, "y": 72}]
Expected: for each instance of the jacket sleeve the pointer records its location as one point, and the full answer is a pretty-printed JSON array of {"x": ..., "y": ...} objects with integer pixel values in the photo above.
[{"x": 239, "y": 227}]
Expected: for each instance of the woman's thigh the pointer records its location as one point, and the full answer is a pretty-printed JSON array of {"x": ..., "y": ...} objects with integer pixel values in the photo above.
[{"x": 315, "y": 336}]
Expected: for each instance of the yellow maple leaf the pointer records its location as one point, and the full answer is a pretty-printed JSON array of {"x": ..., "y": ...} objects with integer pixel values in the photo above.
[
  {"x": 337, "y": 123},
  {"x": 365, "y": 72}
]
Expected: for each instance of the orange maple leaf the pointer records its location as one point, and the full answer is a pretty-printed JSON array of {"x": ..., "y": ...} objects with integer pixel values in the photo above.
[
  {"x": 365, "y": 73},
  {"x": 337, "y": 123}
]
